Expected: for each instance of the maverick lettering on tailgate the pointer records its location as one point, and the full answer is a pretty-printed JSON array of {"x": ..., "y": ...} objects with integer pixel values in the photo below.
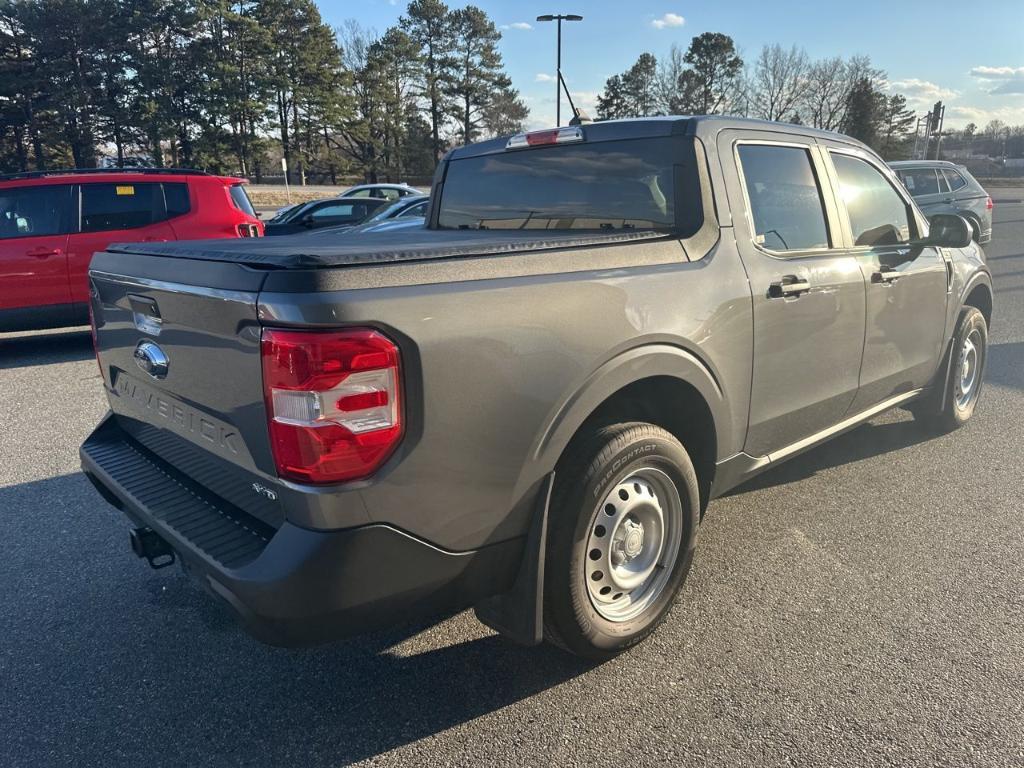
[{"x": 163, "y": 410}]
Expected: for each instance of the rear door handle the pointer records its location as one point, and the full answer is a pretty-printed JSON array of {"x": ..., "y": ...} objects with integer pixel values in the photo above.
[
  {"x": 788, "y": 286},
  {"x": 42, "y": 253},
  {"x": 885, "y": 276}
]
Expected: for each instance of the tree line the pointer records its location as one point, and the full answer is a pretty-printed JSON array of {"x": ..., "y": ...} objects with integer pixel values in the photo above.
[
  {"x": 710, "y": 77},
  {"x": 225, "y": 85}
]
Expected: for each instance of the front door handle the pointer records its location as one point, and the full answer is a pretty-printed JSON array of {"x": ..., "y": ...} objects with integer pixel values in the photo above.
[
  {"x": 885, "y": 276},
  {"x": 788, "y": 286},
  {"x": 44, "y": 252}
]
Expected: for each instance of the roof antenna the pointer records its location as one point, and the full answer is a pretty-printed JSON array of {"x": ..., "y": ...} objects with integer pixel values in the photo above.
[{"x": 579, "y": 116}]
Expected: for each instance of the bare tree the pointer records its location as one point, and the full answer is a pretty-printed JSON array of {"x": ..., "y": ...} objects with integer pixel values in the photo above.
[
  {"x": 779, "y": 82},
  {"x": 825, "y": 94}
]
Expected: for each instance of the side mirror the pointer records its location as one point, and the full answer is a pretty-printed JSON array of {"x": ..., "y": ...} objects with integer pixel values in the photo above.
[{"x": 947, "y": 230}]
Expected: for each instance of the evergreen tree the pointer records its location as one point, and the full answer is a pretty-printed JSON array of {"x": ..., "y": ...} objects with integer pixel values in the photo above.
[
  {"x": 429, "y": 24},
  {"x": 478, "y": 73}
]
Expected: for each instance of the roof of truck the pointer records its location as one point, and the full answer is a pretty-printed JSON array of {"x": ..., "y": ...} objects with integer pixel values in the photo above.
[{"x": 664, "y": 125}]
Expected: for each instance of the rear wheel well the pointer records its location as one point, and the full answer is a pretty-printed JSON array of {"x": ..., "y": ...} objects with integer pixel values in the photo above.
[
  {"x": 671, "y": 404},
  {"x": 981, "y": 298}
]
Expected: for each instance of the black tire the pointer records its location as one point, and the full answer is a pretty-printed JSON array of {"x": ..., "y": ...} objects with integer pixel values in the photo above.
[
  {"x": 595, "y": 467},
  {"x": 947, "y": 407}
]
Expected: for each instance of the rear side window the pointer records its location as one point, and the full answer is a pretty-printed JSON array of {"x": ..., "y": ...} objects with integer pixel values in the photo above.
[
  {"x": 176, "y": 197},
  {"x": 920, "y": 181},
  {"x": 606, "y": 185},
  {"x": 340, "y": 210},
  {"x": 878, "y": 215},
  {"x": 241, "y": 200},
  {"x": 121, "y": 206},
  {"x": 785, "y": 199},
  {"x": 35, "y": 211},
  {"x": 420, "y": 209},
  {"x": 956, "y": 181}
]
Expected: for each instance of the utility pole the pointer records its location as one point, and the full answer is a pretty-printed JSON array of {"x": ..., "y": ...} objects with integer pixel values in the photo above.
[{"x": 559, "y": 17}]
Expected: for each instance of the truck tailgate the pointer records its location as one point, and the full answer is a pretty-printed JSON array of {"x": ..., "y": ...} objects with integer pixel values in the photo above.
[{"x": 178, "y": 343}]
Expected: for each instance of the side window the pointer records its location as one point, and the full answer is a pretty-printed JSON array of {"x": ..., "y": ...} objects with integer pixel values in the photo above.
[
  {"x": 420, "y": 209},
  {"x": 35, "y": 211},
  {"x": 361, "y": 193},
  {"x": 176, "y": 197},
  {"x": 785, "y": 200},
  {"x": 389, "y": 194},
  {"x": 334, "y": 210},
  {"x": 121, "y": 206},
  {"x": 878, "y": 215},
  {"x": 920, "y": 181},
  {"x": 956, "y": 181}
]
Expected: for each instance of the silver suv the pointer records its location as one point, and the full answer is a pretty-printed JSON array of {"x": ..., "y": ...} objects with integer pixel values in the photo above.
[{"x": 939, "y": 186}]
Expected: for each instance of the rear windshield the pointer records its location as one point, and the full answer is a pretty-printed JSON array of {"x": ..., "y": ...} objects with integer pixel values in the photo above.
[
  {"x": 241, "y": 199},
  {"x": 607, "y": 185}
]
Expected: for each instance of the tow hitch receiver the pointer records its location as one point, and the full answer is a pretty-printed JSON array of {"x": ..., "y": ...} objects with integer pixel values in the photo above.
[{"x": 146, "y": 543}]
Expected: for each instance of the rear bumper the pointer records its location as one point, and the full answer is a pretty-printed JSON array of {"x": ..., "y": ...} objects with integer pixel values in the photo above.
[{"x": 291, "y": 585}]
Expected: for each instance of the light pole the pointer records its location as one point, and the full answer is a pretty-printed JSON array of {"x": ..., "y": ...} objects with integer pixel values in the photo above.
[{"x": 559, "y": 17}]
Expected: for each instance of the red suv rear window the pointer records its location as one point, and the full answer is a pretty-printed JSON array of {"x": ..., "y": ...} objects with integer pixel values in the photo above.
[{"x": 241, "y": 200}]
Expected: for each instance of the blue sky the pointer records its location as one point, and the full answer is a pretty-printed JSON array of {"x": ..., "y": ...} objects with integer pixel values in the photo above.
[{"x": 971, "y": 55}]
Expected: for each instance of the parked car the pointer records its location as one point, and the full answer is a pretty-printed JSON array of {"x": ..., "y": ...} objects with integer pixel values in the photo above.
[
  {"x": 939, "y": 186},
  {"x": 527, "y": 406},
  {"x": 388, "y": 192},
  {"x": 52, "y": 222},
  {"x": 408, "y": 212},
  {"x": 334, "y": 212}
]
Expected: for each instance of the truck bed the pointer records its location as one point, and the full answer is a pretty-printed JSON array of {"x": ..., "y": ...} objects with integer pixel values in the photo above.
[{"x": 306, "y": 251}]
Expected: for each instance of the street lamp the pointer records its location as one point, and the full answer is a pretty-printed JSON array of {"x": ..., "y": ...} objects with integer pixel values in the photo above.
[{"x": 559, "y": 17}]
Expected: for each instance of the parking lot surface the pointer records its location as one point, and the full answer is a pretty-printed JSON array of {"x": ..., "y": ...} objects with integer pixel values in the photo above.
[{"x": 861, "y": 605}]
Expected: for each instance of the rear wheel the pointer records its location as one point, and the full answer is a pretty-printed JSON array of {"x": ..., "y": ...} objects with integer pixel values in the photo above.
[
  {"x": 952, "y": 403},
  {"x": 622, "y": 532}
]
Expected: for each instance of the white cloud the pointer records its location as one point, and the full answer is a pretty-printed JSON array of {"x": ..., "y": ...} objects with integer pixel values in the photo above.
[
  {"x": 958, "y": 116},
  {"x": 668, "y": 20},
  {"x": 542, "y": 109},
  {"x": 543, "y": 77},
  {"x": 522, "y": 25},
  {"x": 921, "y": 94},
  {"x": 1000, "y": 80},
  {"x": 922, "y": 91}
]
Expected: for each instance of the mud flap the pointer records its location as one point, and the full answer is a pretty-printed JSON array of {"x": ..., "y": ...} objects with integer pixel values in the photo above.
[{"x": 519, "y": 613}]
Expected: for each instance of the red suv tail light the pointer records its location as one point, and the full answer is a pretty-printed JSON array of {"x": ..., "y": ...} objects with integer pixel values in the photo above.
[
  {"x": 334, "y": 403},
  {"x": 248, "y": 230}
]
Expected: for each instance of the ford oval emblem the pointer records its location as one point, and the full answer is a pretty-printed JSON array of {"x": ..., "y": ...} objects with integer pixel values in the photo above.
[{"x": 150, "y": 358}]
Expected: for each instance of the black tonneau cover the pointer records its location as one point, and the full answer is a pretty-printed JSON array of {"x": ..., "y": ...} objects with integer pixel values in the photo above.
[{"x": 305, "y": 251}]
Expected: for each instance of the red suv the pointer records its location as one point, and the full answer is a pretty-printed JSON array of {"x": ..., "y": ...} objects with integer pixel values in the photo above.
[{"x": 51, "y": 223}]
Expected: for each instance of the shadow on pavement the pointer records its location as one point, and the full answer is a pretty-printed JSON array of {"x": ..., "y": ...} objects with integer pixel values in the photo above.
[
  {"x": 108, "y": 663},
  {"x": 1005, "y": 368},
  {"x": 44, "y": 348}
]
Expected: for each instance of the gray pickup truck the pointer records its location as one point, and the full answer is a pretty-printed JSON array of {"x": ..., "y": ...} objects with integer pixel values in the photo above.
[{"x": 526, "y": 406}]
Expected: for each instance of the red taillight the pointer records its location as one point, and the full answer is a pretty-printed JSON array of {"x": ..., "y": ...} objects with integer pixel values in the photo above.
[
  {"x": 333, "y": 402},
  {"x": 989, "y": 205},
  {"x": 248, "y": 230}
]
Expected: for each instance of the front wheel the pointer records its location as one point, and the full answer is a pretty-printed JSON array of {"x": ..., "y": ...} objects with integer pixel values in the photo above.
[
  {"x": 952, "y": 402},
  {"x": 622, "y": 532}
]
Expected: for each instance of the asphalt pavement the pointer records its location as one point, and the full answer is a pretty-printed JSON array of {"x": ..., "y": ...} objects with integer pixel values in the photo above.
[{"x": 861, "y": 605}]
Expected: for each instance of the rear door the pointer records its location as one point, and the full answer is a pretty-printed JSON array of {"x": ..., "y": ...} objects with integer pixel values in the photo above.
[
  {"x": 808, "y": 291},
  {"x": 928, "y": 188},
  {"x": 907, "y": 286},
  {"x": 125, "y": 212},
  {"x": 34, "y": 225}
]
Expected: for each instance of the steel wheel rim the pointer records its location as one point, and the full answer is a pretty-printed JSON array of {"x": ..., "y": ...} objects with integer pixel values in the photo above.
[
  {"x": 632, "y": 544},
  {"x": 967, "y": 374}
]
